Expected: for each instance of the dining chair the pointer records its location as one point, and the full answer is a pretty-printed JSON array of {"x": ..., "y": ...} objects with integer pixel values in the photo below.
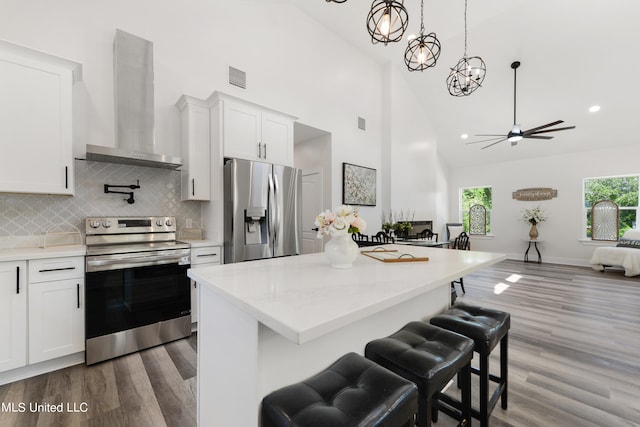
[
  {"x": 460, "y": 243},
  {"x": 382, "y": 237},
  {"x": 453, "y": 230}
]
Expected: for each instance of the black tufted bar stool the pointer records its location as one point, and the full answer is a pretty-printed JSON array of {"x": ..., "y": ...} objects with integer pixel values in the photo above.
[
  {"x": 430, "y": 357},
  {"x": 353, "y": 392},
  {"x": 487, "y": 328}
]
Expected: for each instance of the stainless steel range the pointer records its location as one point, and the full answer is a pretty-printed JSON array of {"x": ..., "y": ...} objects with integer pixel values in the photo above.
[{"x": 137, "y": 289}]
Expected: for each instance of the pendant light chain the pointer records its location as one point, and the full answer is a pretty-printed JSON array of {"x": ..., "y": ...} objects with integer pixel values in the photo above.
[
  {"x": 465, "y": 28},
  {"x": 421, "y": 17}
]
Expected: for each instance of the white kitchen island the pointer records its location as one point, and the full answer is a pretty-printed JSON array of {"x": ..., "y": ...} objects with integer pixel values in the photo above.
[{"x": 266, "y": 324}]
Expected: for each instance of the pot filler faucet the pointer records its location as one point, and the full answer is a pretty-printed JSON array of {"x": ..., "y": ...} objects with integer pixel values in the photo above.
[{"x": 130, "y": 200}]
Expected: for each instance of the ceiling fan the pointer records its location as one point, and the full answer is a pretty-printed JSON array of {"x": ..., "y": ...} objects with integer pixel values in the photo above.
[{"x": 516, "y": 133}]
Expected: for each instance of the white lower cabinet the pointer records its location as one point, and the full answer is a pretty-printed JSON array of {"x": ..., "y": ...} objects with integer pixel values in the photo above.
[
  {"x": 13, "y": 315},
  {"x": 200, "y": 257},
  {"x": 56, "y": 308},
  {"x": 56, "y": 319}
]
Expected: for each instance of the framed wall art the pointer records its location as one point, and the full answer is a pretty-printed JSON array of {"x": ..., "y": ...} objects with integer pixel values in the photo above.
[{"x": 358, "y": 185}]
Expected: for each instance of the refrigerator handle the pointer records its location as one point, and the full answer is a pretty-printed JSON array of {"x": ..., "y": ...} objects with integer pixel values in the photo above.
[
  {"x": 271, "y": 211},
  {"x": 277, "y": 200}
]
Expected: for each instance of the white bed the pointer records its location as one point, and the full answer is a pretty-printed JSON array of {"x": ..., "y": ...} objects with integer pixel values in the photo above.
[{"x": 620, "y": 256}]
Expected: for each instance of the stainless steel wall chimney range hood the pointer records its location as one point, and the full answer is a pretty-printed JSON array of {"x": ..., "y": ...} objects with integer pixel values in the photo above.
[{"x": 134, "y": 107}]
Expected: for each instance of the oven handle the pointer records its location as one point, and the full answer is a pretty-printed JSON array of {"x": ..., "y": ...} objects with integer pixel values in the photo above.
[{"x": 115, "y": 264}]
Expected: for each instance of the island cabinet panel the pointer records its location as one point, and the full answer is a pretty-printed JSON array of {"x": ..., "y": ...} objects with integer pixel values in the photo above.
[
  {"x": 13, "y": 315},
  {"x": 56, "y": 308},
  {"x": 202, "y": 256},
  {"x": 249, "y": 131},
  {"x": 36, "y": 121}
]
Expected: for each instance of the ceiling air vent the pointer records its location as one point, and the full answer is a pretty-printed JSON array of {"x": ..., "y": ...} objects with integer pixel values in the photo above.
[
  {"x": 362, "y": 123},
  {"x": 237, "y": 77}
]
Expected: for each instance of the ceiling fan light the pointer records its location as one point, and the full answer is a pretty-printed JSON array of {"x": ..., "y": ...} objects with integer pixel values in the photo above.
[
  {"x": 387, "y": 21},
  {"x": 514, "y": 138}
]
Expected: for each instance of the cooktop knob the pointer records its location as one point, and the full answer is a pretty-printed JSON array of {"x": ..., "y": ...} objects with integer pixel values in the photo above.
[
  {"x": 94, "y": 224},
  {"x": 159, "y": 222},
  {"x": 169, "y": 222},
  {"x": 106, "y": 223}
]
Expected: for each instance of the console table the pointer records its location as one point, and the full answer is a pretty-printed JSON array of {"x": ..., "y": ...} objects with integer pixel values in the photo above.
[{"x": 535, "y": 246}]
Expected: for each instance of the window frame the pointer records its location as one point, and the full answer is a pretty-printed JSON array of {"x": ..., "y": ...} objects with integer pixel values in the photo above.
[
  {"x": 586, "y": 211},
  {"x": 465, "y": 214}
]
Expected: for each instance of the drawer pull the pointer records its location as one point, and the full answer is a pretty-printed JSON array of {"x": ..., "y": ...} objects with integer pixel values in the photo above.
[
  {"x": 47, "y": 270},
  {"x": 203, "y": 255}
]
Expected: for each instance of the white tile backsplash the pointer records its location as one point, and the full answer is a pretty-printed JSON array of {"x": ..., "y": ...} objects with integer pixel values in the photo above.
[{"x": 25, "y": 218}]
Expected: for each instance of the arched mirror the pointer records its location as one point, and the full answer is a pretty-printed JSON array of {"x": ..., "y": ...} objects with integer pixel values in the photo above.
[
  {"x": 477, "y": 220},
  {"x": 604, "y": 220}
]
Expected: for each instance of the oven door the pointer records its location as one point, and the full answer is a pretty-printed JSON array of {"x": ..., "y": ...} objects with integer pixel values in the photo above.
[{"x": 127, "y": 298}]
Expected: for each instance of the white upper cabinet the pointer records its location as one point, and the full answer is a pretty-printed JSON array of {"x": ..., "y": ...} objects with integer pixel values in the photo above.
[
  {"x": 196, "y": 142},
  {"x": 252, "y": 132},
  {"x": 36, "y": 121}
]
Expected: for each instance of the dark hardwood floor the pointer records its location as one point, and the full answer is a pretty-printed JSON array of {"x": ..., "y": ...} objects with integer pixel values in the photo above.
[{"x": 574, "y": 360}]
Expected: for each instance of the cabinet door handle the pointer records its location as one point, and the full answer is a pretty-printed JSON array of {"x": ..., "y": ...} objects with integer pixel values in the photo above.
[
  {"x": 193, "y": 186},
  {"x": 78, "y": 292},
  {"x": 17, "y": 279},
  {"x": 47, "y": 270},
  {"x": 259, "y": 150},
  {"x": 66, "y": 177},
  {"x": 265, "y": 151}
]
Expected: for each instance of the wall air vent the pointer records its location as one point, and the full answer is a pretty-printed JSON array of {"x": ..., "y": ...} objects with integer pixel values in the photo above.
[
  {"x": 237, "y": 77},
  {"x": 362, "y": 123}
]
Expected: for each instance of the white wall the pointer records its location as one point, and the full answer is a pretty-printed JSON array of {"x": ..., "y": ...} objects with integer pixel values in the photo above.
[
  {"x": 560, "y": 235},
  {"x": 293, "y": 64},
  {"x": 418, "y": 181}
]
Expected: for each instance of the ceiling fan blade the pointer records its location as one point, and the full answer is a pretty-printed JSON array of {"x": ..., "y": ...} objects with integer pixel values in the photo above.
[
  {"x": 492, "y": 144},
  {"x": 486, "y": 140},
  {"x": 553, "y": 130},
  {"x": 544, "y": 126},
  {"x": 537, "y": 137}
]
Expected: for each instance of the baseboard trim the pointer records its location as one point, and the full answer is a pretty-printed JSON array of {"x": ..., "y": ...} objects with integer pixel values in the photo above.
[{"x": 41, "y": 368}]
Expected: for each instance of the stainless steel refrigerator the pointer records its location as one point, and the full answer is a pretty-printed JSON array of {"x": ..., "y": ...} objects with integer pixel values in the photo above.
[{"x": 262, "y": 210}]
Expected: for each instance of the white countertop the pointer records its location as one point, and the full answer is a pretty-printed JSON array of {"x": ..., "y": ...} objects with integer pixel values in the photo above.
[
  {"x": 302, "y": 298},
  {"x": 22, "y": 254}
]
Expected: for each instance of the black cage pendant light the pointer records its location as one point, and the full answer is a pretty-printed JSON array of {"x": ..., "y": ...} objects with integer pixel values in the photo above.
[
  {"x": 423, "y": 51},
  {"x": 387, "y": 21},
  {"x": 468, "y": 74}
]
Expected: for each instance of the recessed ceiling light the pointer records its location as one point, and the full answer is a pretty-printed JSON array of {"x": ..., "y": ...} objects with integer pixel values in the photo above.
[
  {"x": 464, "y": 136},
  {"x": 594, "y": 108}
]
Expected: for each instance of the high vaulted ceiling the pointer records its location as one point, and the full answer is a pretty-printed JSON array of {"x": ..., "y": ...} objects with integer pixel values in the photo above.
[{"x": 574, "y": 54}]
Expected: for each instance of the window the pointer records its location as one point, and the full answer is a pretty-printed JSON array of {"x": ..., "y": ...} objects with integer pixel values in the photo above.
[
  {"x": 622, "y": 190},
  {"x": 475, "y": 196}
]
